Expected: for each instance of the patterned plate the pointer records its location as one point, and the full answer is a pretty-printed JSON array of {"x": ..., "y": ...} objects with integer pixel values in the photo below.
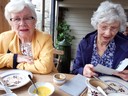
[
  {"x": 15, "y": 78},
  {"x": 120, "y": 85}
]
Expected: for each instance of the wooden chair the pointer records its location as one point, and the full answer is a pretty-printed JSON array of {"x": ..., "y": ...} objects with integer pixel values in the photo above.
[{"x": 57, "y": 57}]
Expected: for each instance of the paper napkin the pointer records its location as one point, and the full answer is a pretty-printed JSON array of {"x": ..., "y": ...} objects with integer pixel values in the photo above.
[
  {"x": 123, "y": 65},
  {"x": 74, "y": 86},
  {"x": 103, "y": 69}
]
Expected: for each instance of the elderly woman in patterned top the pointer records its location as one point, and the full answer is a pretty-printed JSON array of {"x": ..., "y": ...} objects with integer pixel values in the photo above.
[
  {"x": 106, "y": 45},
  {"x": 25, "y": 47}
]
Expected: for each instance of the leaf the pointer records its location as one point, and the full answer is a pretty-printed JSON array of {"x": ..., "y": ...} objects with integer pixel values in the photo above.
[{"x": 63, "y": 32}]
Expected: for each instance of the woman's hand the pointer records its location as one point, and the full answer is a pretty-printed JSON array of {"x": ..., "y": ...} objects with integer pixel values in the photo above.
[
  {"x": 25, "y": 59},
  {"x": 88, "y": 70},
  {"x": 123, "y": 74}
]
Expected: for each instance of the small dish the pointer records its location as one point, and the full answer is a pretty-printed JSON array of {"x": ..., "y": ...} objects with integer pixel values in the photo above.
[
  {"x": 44, "y": 89},
  {"x": 59, "y": 78},
  {"x": 92, "y": 84}
]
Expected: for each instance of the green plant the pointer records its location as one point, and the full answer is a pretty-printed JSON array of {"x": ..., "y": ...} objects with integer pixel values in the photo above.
[{"x": 64, "y": 30}]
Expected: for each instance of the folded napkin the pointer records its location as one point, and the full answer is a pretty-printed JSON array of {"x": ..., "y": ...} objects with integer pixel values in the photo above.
[{"x": 74, "y": 86}]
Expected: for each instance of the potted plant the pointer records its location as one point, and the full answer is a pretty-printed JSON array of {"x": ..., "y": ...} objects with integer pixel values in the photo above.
[
  {"x": 64, "y": 34},
  {"x": 64, "y": 42}
]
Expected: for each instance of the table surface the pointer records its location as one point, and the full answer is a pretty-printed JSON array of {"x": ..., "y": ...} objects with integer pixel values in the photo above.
[{"x": 23, "y": 91}]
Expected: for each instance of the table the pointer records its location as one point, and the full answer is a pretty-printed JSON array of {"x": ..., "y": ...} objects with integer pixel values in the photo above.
[{"x": 23, "y": 91}]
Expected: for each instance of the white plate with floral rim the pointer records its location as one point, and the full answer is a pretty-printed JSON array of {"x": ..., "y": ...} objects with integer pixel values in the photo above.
[
  {"x": 15, "y": 78},
  {"x": 117, "y": 94},
  {"x": 120, "y": 85}
]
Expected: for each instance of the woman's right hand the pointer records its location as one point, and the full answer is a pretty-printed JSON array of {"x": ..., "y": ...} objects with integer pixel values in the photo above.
[
  {"x": 123, "y": 74},
  {"x": 24, "y": 59},
  {"x": 88, "y": 71}
]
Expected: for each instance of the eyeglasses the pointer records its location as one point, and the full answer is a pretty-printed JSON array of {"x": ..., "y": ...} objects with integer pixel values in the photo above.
[
  {"x": 25, "y": 19},
  {"x": 112, "y": 29}
]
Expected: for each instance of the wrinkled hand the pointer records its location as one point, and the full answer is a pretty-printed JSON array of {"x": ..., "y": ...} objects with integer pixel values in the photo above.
[
  {"x": 25, "y": 59},
  {"x": 88, "y": 70},
  {"x": 123, "y": 74},
  {"x": 125, "y": 33}
]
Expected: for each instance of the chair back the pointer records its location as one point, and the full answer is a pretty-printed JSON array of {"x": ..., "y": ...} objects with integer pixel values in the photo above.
[{"x": 57, "y": 58}]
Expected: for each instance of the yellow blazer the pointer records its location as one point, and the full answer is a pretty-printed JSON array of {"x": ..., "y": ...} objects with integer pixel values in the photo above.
[{"x": 42, "y": 50}]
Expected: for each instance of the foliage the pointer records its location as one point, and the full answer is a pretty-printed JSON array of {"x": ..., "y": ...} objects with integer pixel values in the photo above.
[{"x": 64, "y": 33}]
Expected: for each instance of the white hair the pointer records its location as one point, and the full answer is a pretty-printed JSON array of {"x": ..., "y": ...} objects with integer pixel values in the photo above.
[
  {"x": 15, "y": 6},
  {"x": 109, "y": 12}
]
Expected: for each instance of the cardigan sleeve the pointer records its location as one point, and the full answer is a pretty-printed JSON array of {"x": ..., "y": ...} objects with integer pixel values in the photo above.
[
  {"x": 6, "y": 59},
  {"x": 83, "y": 54},
  {"x": 79, "y": 62}
]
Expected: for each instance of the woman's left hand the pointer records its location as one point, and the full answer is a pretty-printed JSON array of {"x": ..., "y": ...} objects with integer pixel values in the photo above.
[
  {"x": 123, "y": 74},
  {"x": 27, "y": 59}
]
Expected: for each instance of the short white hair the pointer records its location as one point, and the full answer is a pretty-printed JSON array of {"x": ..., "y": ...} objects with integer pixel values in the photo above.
[
  {"x": 109, "y": 12},
  {"x": 15, "y": 6}
]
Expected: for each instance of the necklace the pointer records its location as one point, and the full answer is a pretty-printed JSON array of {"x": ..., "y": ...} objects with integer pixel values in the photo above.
[{"x": 26, "y": 49}]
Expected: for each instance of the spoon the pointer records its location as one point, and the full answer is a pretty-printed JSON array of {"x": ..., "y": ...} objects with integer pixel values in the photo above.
[
  {"x": 101, "y": 90},
  {"x": 37, "y": 92}
]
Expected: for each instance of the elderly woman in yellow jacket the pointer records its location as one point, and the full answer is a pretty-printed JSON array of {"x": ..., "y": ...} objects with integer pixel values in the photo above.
[{"x": 25, "y": 47}]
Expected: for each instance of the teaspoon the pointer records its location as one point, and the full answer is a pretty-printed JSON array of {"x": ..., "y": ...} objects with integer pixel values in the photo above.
[
  {"x": 101, "y": 90},
  {"x": 33, "y": 84}
]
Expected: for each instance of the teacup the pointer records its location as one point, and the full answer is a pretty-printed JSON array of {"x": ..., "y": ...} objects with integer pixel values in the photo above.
[
  {"x": 92, "y": 85},
  {"x": 59, "y": 78}
]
